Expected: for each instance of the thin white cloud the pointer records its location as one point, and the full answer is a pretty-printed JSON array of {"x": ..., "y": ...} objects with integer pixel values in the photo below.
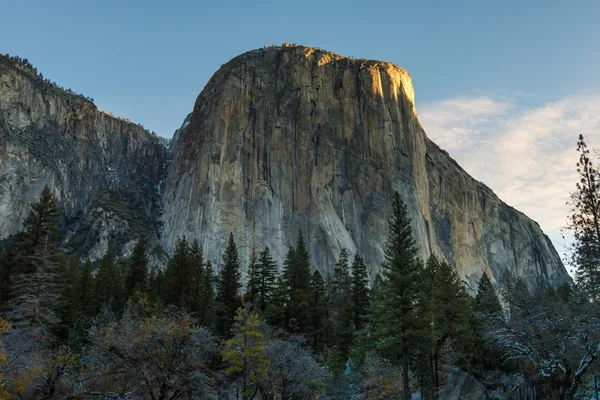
[{"x": 527, "y": 156}]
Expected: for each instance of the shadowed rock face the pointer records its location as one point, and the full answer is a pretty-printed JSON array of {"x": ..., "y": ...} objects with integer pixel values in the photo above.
[
  {"x": 104, "y": 171},
  {"x": 290, "y": 139}
]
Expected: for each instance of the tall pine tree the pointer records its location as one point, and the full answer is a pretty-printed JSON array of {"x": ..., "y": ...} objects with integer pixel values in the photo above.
[
  {"x": 296, "y": 275},
  {"x": 206, "y": 313},
  {"x": 253, "y": 284},
  {"x": 268, "y": 279},
  {"x": 359, "y": 291},
  {"x": 177, "y": 277},
  {"x": 196, "y": 271},
  {"x": 394, "y": 318},
  {"x": 584, "y": 222},
  {"x": 35, "y": 286},
  {"x": 108, "y": 285},
  {"x": 318, "y": 307},
  {"x": 228, "y": 288},
  {"x": 137, "y": 274}
]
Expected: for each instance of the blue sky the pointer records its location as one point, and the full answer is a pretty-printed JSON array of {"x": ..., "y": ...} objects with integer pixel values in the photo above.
[{"x": 492, "y": 81}]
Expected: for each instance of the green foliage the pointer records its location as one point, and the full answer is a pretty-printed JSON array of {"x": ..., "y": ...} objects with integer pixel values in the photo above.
[
  {"x": 487, "y": 309},
  {"x": 228, "y": 288},
  {"x": 296, "y": 275},
  {"x": 177, "y": 276},
  {"x": 360, "y": 291},
  {"x": 108, "y": 284},
  {"x": 137, "y": 274},
  {"x": 318, "y": 302},
  {"x": 394, "y": 316},
  {"x": 584, "y": 223},
  {"x": 268, "y": 279},
  {"x": 206, "y": 311},
  {"x": 245, "y": 352},
  {"x": 253, "y": 285},
  {"x": 34, "y": 278}
]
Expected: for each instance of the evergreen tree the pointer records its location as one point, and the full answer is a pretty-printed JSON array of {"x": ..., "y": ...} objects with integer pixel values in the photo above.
[
  {"x": 318, "y": 307},
  {"x": 35, "y": 286},
  {"x": 254, "y": 282},
  {"x": 40, "y": 228},
  {"x": 486, "y": 299},
  {"x": 341, "y": 284},
  {"x": 136, "y": 280},
  {"x": 228, "y": 288},
  {"x": 487, "y": 310},
  {"x": 207, "y": 296},
  {"x": 275, "y": 311},
  {"x": 341, "y": 314},
  {"x": 108, "y": 286},
  {"x": 6, "y": 270},
  {"x": 245, "y": 352},
  {"x": 156, "y": 283},
  {"x": 196, "y": 275},
  {"x": 451, "y": 306},
  {"x": 177, "y": 276},
  {"x": 394, "y": 318},
  {"x": 86, "y": 290},
  {"x": 196, "y": 272},
  {"x": 68, "y": 306},
  {"x": 268, "y": 279},
  {"x": 584, "y": 222},
  {"x": 359, "y": 291},
  {"x": 297, "y": 275}
]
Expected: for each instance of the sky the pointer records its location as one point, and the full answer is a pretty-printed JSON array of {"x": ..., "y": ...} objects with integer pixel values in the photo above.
[{"x": 505, "y": 88}]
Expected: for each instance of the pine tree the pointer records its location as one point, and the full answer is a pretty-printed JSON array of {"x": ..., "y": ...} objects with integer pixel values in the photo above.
[
  {"x": 451, "y": 307},
  {"x": 360, "y": 291},
  {"x": 6, "y": 271},
  {"x": 68, "y": 306},
  {"x": 35, "y": 286},
  {"x": 196, "y": 272},
  {"x": 297, "y": 275},
  {"x": 486, "y": 299},
  {"x": 207, "y": 296},
  {"x": 584, "y": 222},
  {"x": 108, "y": 286},
  {"x": 86, "y": 290},
  {"x": 318, "y": 307},
  {"x": 487, "y": 311},
  {"x": 341, "y": 311},
  {"x": 245, "y": 352},
  {"x": 228, "y": 288},
  {"x": 136, "y": 280},
  {"x": 254, "y": 282},
  {"x": 275, "y": 311},
  {"x": 394, "y": 319},
  {"x": 177, "y": 276},
  {"x": 268, "y": 279}
]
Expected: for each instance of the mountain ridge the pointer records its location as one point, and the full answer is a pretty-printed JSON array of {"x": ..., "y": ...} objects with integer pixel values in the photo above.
[{"x": 361, "y": 110}]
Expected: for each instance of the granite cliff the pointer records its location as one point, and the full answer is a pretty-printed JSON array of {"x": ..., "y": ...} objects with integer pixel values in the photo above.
[
  {"x": 289, "y": 139},
  {"x": 281, "y": 140},
  {"x": 104, "y": 171}
]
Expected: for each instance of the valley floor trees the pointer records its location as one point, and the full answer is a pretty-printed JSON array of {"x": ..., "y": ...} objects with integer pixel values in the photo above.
[{"x": 117, "y": 328}]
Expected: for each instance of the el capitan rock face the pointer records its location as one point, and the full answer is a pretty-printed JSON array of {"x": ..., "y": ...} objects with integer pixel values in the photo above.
[
  {"x": 281, "y": 140},
  {"x": 289, "y": 139}
]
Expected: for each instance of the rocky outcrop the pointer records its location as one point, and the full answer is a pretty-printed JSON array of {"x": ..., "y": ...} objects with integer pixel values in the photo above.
[
  {"x": 105, "y": 171},
  {"x": 289, "y": 139}
]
